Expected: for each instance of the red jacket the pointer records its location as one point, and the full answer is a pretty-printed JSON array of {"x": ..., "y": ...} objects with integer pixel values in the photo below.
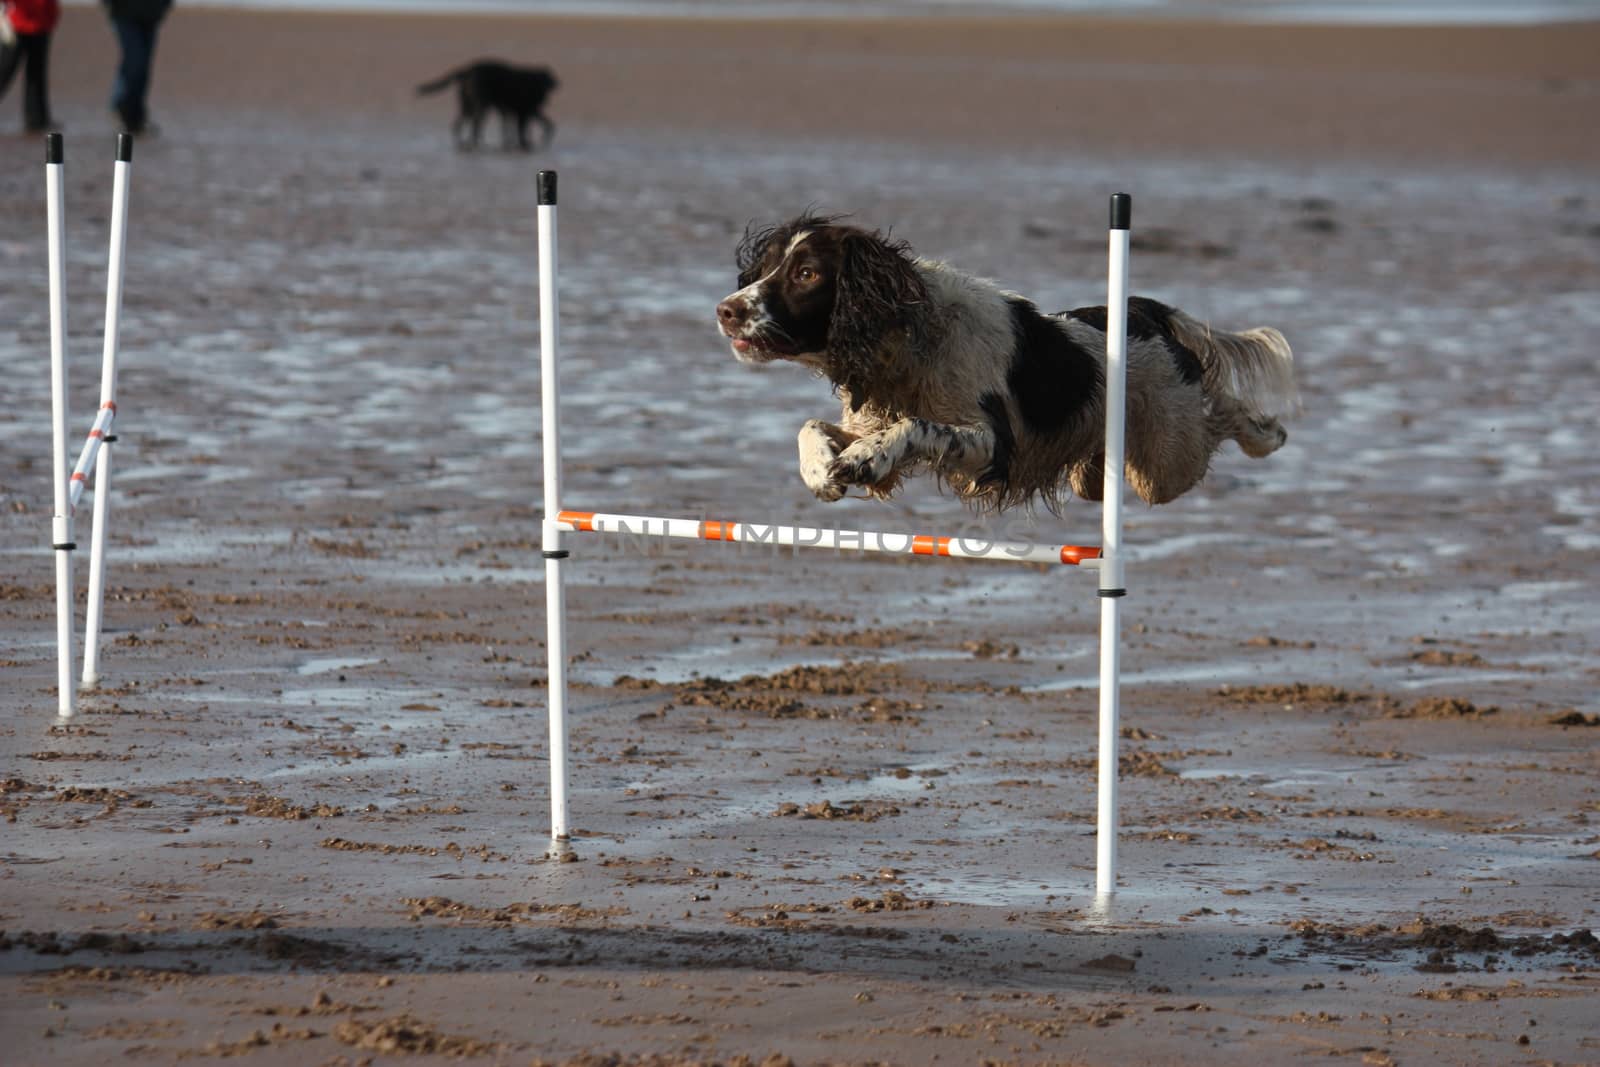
[{"x": 33, "y": 16}]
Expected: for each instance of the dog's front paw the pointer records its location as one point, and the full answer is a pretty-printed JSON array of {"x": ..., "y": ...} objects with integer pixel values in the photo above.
[
  {"x": 816, "y": 471},
  {"x": 827, "y": 492},
  {"x": 817, "y": 453},
  {"x": 863, "y": 463},
  {"x": 819, "y": 479}
]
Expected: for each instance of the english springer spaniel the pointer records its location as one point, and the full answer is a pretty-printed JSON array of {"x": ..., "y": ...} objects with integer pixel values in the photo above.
[{"x": 944, "y": 371}]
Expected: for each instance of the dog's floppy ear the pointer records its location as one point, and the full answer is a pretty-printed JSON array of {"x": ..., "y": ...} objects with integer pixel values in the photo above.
[{"x": 877, "y": 291}]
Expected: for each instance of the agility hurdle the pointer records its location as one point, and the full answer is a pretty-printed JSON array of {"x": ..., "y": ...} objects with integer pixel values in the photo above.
[
  {"x": 1106, "y": 559},
  {"x": 97, "y": 446},
  {"x": 894, "y": 544}
]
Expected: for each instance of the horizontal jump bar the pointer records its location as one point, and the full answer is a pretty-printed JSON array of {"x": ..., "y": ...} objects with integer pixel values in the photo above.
[{"x": 813, "y": 537}]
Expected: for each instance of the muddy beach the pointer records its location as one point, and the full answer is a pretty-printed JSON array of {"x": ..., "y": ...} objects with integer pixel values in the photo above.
[{"x": 827, "y": 810}]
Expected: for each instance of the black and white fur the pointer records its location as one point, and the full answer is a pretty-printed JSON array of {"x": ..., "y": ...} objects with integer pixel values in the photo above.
[{"x": 942, "y": 371}]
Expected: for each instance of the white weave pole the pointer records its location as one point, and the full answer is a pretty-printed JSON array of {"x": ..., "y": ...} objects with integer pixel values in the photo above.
[
  {"x": 550, "y": 531},
  {"x": 1112, "y": 588},
  {"x": 108, "y": 410},
  {"x": 61, "y": 518}
]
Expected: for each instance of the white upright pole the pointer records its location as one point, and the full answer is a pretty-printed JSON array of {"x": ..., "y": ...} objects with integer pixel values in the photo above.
[
  {"x": 61, "y": 519},
  {"x": 1111, "y": 572},
  {"x": 551, "y": 533},
  {"x": 108, "y": 404}
]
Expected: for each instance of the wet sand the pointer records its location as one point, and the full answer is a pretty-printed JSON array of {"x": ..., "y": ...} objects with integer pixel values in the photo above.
[{"x": 826, "y": 810}]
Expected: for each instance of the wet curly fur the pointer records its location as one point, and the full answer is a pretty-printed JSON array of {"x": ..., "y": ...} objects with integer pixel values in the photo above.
[{"x": 939, "y": 370}]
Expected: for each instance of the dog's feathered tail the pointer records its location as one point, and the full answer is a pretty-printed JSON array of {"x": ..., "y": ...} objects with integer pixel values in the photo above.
[
  {"x": 1255, "y": 367},
  {"x": 440, "y": 83}
]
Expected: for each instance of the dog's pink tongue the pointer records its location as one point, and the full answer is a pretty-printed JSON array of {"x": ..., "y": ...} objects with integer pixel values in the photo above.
[{"x": 741, "y": 346}]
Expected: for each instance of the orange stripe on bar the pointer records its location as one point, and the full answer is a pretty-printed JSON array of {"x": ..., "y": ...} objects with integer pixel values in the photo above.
[
  {"x": 96, "y": 433},
  {"x": 921, "y": 544},
  {"x": 112, "y": 404},
  {"x": 77, "y": 477}
]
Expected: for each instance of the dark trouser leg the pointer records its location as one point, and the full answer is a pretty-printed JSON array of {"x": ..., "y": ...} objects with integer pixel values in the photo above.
[
  {"x": 138, "y": 43},
  {"x": 10, "y": 59},
  {"x": 36, "y": 82}
]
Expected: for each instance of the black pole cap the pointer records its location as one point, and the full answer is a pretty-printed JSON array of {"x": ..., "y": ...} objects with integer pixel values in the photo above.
[
  {"x": 1121, "y": 211},
  {"x": 547, "y": 186},
  {"x": 54, "y": 149},
  {"x": 124, "y": 148}
]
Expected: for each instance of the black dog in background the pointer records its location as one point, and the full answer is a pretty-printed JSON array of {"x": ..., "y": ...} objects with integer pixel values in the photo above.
[{"x": 517, "y": 93}]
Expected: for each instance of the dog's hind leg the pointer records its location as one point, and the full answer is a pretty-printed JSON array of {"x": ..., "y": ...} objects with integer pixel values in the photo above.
[
  {"x": 1160, "y": 484},
  {"x": 1261, "y": 436},
  {"x": 472, "y": 115},
  {"x": 466, "y": 115},
  {"x": 1088, "y": 477},
  {"x": 820, "y": 444},
  {"x": 1258, "y": 435},
  {"x": 877, "y": 460}
]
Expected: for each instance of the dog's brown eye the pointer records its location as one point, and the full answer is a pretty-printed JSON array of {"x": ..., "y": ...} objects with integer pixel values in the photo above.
[{"x": 806, "y": 274}]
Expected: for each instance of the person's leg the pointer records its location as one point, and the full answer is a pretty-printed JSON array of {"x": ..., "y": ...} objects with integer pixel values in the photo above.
[
  {"x": 152, "y": 31},
  {"x": 119, "y": 81},
  {"x": 10, "y": 59},
  {"x": 36, "y": 82},
  {"x": 133, "y": 72}
]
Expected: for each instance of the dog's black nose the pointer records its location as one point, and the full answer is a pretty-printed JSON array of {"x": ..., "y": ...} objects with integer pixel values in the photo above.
[{"x": 730, "y": 313}]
